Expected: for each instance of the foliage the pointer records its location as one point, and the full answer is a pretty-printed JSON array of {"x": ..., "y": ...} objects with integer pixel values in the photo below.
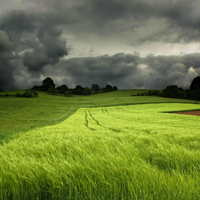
[
  {"x": 52, "y": 90},
  {"x": 68, "y": 93},
  {"x": 47, "y": 84},
  {"x": 174, "y": 91},
  {"x": 195, "y": 85},
  {"x": 27, "y": 94},
  {"x": 99, "y": 153},
  {"x": 95, "y": 87},
  {"x": 78, "y": 90},
  {"x": 148, "y": 93},
  {"x": 87, "y": 91},
  {"x": 115, "y": 88},
  {"x": 62, "y": 89}
]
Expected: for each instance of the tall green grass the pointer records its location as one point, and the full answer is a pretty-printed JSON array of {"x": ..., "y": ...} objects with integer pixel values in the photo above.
[
  {"x": 119, "y": 152},
  {"x": 23, "y": 114}
]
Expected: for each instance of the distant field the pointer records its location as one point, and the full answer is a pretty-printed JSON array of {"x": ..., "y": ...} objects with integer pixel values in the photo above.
[
  {"x": 23, "y": 114},
  {"x": 119, "y": 152}
]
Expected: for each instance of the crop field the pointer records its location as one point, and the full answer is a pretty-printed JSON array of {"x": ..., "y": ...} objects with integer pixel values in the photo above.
[
  {"x": 139, "y": 151},
  {"x": 22, "y": 114}
]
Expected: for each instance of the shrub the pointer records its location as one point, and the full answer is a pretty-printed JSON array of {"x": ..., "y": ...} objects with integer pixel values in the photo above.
[
  {"x": 18, "y": 95},
  {"x": 35, "y": 94},
  {"x": 68, "y": 94},
  {"x": 27, "y": 94},
  {"x": 87, "y": 91},
  {"x": 62, "y": 89}
]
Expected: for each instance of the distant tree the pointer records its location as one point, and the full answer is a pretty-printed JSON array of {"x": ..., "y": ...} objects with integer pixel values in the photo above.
[
  {"x": 195, "y": 83},
  {"x": 109, "y": 88},
  {"x": 149, "y": 93},
  {"x": 95, "y": 87},
  {"x": 173, "y": 91},
  {"x": 68, "y": 93},
  {"x": 47, "y": 84},
  {"x": 52, "y": 90},
  {"x": 37, "y": 88},
  {"x": 87, "y": 91},
  {"x": 103, "y": 90},
  {"x": 78, "y": 90},
  {"x": 115, "y": 88},
  {"x": 62, "y": 89},
  {"x": 27, "y": 94},
  {"x": 18, "y": 94},
  {"x": 35, "y": 94},
  {"x": 155, "y": 92}
]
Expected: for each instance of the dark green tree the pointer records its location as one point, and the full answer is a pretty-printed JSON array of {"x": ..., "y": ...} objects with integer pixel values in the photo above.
[
  {"x": 195, "y": 83},
  {"x": 78, "y": 90},
  {"x": 52, "y": 90},
  {"x": 47, "y": 84},
  {"x": 95, "y": 87},
  {"x": 173, "y": 91},
  {"x": 115, "y": 88},
  {"x": 62, "y": 89},
  {"x": 87, "y": 91},
  {"x": 68, "y": 93},
  {"x": 109, "y": 88}
]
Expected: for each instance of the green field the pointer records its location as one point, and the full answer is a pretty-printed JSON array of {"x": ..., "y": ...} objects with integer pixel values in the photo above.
[{"x": 104, "y": 146}]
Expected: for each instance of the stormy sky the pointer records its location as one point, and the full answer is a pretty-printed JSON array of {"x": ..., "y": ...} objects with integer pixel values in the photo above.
[{"x": 128, "y": 43}]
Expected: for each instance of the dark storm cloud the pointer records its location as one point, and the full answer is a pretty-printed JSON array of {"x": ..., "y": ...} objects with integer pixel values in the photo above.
[
  {"x": 50, "y": 49},
  {"x": 5, "y": 44},
  {"x": 31, "y": 43},
  {"x": 146, "y": 20},
  {"x": 30, "y": 38},
  {"x": 168, "y": 21},
  {"x": 127, "y": 71}
]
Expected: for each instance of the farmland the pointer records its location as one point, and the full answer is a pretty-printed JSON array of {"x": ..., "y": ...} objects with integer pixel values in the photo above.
[{"x": 105, "y": 146}]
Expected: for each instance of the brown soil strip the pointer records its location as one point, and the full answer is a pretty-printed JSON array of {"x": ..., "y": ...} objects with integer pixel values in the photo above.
[{"x": 197, "y": 113}]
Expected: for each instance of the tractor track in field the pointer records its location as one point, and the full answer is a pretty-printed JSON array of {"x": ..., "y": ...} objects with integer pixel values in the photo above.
[
  {"x": 105, "y": 112},
  {"x": 93, "y": 118},
  {"x": 87, "y": 123},
  {"x": 89, "y": 117}
]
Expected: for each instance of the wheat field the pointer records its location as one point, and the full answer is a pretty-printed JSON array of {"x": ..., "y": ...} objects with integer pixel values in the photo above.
[{"x": 118, "y": 152}]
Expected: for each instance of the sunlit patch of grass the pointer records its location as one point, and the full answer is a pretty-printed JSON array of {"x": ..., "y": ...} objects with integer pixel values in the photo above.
[
  {"x": 23, "y": 114},
  {"x": 126, "y": 152}
]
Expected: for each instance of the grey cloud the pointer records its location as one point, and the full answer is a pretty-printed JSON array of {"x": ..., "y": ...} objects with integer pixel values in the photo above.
[
  {"x": 34, "y": 39},
  {"x": 171, "y": 21},
  {"x": 126, "y": 71},
  {"x": 145, "y": 20},
  {"x": 5, "y": 44},
  {"x": 7, "y": 80},
  {"x": 29, "y": 38},
  {"x": 23, "y": 28},
  {"x": 49, "y": 51},
  {"x": 178, "y": 20}
]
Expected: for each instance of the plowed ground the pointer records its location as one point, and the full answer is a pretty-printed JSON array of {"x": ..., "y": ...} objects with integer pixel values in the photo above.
[{"x": 197, "y": 113}]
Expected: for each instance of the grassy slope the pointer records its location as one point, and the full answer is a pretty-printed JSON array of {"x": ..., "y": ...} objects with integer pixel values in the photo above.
[
  {"x": 120, "y": 152},
  {"x": 22, "y": 114}
]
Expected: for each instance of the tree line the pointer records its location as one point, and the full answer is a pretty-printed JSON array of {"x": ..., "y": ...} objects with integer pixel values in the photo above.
[
  {"x": 48, "y": 85},
  {"x": 173, "y": 91}
]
